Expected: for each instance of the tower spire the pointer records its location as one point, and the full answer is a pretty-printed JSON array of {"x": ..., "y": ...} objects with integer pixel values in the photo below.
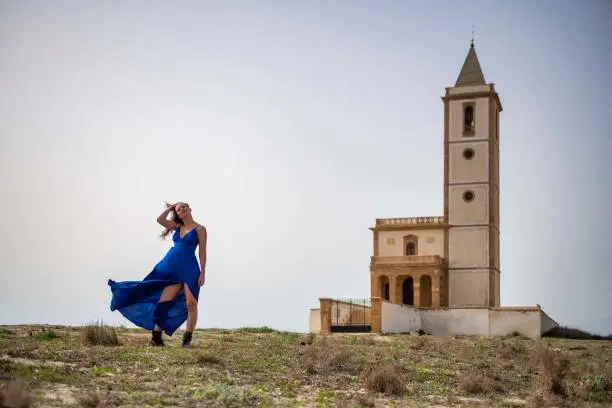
[{"x": 471, "y": 73}]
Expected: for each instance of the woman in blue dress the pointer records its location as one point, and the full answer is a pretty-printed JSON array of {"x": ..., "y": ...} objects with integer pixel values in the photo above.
[{"x": 168, "y": 296}]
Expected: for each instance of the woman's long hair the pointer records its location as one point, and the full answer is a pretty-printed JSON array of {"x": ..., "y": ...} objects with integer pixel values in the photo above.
[{"x": 174, "y": 217}]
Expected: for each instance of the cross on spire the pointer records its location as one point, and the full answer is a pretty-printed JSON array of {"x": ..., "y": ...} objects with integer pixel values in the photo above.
[{"x": 472, "y": 42}]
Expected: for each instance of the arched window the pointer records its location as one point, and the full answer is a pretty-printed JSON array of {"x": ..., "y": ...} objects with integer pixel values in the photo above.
[{"x": 468, "y": 118}]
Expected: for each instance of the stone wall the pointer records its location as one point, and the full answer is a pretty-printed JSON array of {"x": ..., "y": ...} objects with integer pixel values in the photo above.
[
  {"x": 526, "y": 322},
  {"x": 399, "y": 318},
  {"x": 441, "y": 322},
  {"x": 478, "y": 321},
  {"x": 546, "y": 323}
]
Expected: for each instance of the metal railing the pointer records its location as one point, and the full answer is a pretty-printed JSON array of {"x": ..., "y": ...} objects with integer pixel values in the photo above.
[{"x": 351, "y": 315}]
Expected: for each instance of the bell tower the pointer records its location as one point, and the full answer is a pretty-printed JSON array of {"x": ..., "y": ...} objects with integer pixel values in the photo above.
[{"x": 471, "y": 187}]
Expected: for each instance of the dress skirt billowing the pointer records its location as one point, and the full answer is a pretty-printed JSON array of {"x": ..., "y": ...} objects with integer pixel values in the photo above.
[{"x": 138, "y": 301}]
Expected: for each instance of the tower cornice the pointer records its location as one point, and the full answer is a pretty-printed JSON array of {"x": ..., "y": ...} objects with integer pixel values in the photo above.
[{"x": 480, "y": 92}]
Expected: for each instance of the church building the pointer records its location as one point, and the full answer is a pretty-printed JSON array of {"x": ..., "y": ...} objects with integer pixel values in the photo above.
[
  {"x": 441, "y": 274},
  {"x": 451, "y": 259}
]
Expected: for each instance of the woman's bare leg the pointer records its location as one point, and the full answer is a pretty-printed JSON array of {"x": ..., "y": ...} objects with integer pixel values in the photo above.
[
  {"x": 192, "y": 316},
  {"x": 192, "y": 310},
  {"x": 168, "y": 294}
]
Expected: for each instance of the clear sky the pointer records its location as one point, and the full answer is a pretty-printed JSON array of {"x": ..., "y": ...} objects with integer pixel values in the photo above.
[{"x": 289, "y": 126}]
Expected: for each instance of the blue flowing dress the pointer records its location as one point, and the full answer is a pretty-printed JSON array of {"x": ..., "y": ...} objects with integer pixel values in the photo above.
[{"x": 138, "y": 301}]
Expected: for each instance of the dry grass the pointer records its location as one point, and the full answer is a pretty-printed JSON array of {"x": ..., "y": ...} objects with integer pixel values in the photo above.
[
  {"x": 15, "y": 394},
  {"x": 366, "y": 400},
  {"x": 97, "y": 334},
  {"x": 308, "y": 340},
  {"x": 481, "y": 383},
  {"x": 209, "y": 359},
  {"x": 264, "y": 367},
  {"x": 327, "y": 358},
  {"x": 418, "y": 343},
  {"x": 90, "y": 400},
  {"x": 554, "y": 367},
  {"x": 385, "y": 379},
  {"x": 512, "y": 350},
  {"x": 337, "y": 359}
]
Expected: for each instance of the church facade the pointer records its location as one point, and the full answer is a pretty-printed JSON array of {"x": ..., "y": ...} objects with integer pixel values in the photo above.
[
  {"x": 451, "y": 259},
  {"x": 442, "y": 273}
]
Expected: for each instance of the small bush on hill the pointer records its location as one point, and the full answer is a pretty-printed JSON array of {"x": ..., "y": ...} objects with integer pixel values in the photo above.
[
  {"x": 385, "y": 379},
  {"x": 481, "y": 383},
  {"x": 47, "y": 335},
  {"x": 264, "y": 329},
  {"x": 553, "y": 369},
  {"x": 97, "y": 334}
]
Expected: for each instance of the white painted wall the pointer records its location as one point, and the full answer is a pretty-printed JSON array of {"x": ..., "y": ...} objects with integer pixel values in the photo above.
[
  {"x": 546, "y": 323},
  {"x": 503, "y": 322},
  {"x": 399, "y": 318},
  {"x": 315, "y": 320},
  {"x": 464, "y": 321},
  {"x": 456, "y": 321}
]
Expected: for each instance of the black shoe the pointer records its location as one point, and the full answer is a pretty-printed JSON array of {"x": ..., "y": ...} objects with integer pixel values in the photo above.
[
  {"x": 156, "y": 339},
  {"x": 187, "y": 339}
]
